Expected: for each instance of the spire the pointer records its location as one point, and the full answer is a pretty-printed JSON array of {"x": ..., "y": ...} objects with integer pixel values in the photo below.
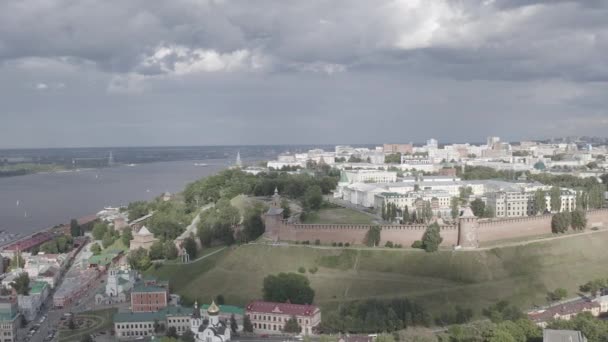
[
  {"x": 196, "y": 313},
  {"x": 238, "y": 159}
]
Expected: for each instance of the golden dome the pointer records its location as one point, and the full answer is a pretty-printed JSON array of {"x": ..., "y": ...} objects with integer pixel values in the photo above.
[{"x": 213, "y": 309}]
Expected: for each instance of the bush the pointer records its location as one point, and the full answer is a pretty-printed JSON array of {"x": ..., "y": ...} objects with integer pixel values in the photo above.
[
  {"x": 302, "y": 269},
  {"x": 334, "y": 244},
  {"x": 317, "y": 242},
  {"x": 340, "y": 244},
  {"x": 389, "y": 244},
  {"x": 417, "y": 244},
  {"x": 297, "y": 242},
  {"x": 347, "y": 244},
  {"x": 306, "y": 242},
  {"x": 313, "y": 270},
  {"x": 398, "y": 245}
]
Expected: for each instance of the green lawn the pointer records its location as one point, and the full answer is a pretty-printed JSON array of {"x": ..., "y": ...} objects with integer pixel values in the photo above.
[
  {"x": 439, "y": 281},
  {"x": 102, "y": 320},
  {"x": 338, "y": 216},
  {"x": 118, "y": 245}
]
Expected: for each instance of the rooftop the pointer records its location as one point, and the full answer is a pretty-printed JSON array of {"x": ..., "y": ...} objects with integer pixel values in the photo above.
[
  {"x": 550, "y": 335},
  {"x": 282, "y": 308},
  {"x": 148, "y": 288},
  {"x": 562, "y": 310}
]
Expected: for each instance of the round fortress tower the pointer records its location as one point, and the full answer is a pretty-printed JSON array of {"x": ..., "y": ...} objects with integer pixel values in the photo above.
[{"x": 467, "y": 229}]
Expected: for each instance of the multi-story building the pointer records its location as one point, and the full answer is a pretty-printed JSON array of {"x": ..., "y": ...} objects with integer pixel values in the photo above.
[
  {"x": 367, "y": 176},
  {"x": 270, "y": 318},
  {"x": 30, "y": 305},
  {"x": 523, "y": 203},
  {"x": 128, "y": 325},
  {"x": 398, "y": 148},
  {"x": 148, "y": 298},
  {"x": 9, "y": 315},
  {"x": 439, "y": 201}
]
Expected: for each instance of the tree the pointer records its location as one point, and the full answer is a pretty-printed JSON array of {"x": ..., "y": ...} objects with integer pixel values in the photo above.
[
  {"x": 247, "y": 326},
  {"x": 170, "y": 250},
  {"x": 17, "y": 262},
  {"x": 489, "y": 212},
  {"x": 372, "y": 238},
  {"x": 455, "y": 207},
  {"x": 313, "y": 198},
  {"x": 86, "y": 338},
  {"x": 540, "y": 202},
  {"x": 139, "y": 259},
  {"x": 99, "y": 230},
  {"x": 465, "y": 193},
  {"x": 71, "y": 324},
  {"x": 253, "y": 226},
  {"x": 188, "y": 336},
  {"x": 286, "y": 208},
  {"x": 427, "y": 211},
  {"x": 579, "y": 220},
  {"x": 96, "y": 249},
  {"x": 432, "y": 238},
  {"x": 157, "y": 250},
  {"x": 560, "y": 222},
  {"x": 406, "y": 215},
  {"x": 108, "y": 239},
  {"x": 190, "y": 247},
  {"x": 478, "y": 207},
  {"x": 172, "y": 332},
  {"x": 384, "y": 212},
  {"x": 21, "y": 284},
  {"x": 127, "y": 236},
  {"x": 292, "y": 326},
  {"x": 49, "y": 247},
  {"x": 137, "y": 210},
  {"x": 291, "y": 287},
  {"x": 234, "y": 327},
  {"x": 593, "y": 287},
  {"x": 74, "y": 228},
  {"x": 556, "y": 199},
  {"x": 557, "y": 295}
]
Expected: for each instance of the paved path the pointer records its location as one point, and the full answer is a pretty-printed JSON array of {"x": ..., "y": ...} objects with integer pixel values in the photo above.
[{"x": 543, "y": 239}]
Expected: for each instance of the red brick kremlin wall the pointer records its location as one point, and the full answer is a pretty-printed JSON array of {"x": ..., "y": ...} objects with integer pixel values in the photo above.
[{"x": 492, "y": 230}]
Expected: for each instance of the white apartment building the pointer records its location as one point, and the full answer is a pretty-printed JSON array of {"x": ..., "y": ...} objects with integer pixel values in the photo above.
[
  {"x": 367, "y": 176},
  {"x": 415, "y": 200},
  {"x": 517, "y": 204}
]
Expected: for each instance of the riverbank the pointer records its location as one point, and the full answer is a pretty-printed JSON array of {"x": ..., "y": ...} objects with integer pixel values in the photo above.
[{"x": 36, "y": 202}]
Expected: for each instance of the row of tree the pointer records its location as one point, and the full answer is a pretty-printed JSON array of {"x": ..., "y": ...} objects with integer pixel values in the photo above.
[{"x": 561, "y": 222}]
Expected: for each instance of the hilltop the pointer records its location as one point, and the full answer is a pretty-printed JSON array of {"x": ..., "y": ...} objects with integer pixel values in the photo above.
[{"x": 439, "y": 281}]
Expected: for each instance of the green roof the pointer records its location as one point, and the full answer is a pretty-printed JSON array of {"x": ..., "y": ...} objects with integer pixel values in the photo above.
[
  {"x": 151, "y": 316},
  {"x": 37, "y": 287},
  {"x": 101, "y": 259},
  {"x": 149, "y": 288},
  {"x": 122, "y": 281},
  {"x": 229, "y": 309},
  {"x": 162, "y": 314}
]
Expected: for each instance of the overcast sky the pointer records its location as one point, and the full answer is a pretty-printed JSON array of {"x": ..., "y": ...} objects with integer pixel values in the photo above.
[{"x": 209, "y": 72}]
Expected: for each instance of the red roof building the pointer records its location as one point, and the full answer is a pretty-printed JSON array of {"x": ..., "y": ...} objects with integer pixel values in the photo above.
[
  {"x": 564, "y": 311},
  {"x": 270, "y": 318},
  {"x": 29, "y": 243}
]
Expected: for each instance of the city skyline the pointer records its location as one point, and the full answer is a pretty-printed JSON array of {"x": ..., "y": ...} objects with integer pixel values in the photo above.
[{"x": 232, "y": 73}]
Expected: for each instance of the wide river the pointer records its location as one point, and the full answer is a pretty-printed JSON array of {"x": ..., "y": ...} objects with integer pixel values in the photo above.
[{"x": 35, "y": 202}]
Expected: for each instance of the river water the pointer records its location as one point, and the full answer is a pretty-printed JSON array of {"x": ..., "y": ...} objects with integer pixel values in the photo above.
[{"x": 35, "y": 202}]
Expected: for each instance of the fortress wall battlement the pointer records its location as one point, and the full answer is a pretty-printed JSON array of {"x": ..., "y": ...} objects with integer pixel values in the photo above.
[{"x": 493, "y": 230}]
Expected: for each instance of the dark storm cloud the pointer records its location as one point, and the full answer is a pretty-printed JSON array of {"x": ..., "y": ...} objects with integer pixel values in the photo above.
[{"x": 223, "y": 71}]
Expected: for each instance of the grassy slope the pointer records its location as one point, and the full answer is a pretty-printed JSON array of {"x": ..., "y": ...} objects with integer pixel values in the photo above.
[
  {"x": 474, "y": 279},
  {"x": 338, "y": 216}
]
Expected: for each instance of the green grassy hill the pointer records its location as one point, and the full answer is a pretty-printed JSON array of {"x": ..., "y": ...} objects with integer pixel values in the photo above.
[{"x": 472, "y": 279}]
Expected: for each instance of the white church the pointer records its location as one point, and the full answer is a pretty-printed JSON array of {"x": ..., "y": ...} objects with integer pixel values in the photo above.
[{"x": 209, "y": 330}]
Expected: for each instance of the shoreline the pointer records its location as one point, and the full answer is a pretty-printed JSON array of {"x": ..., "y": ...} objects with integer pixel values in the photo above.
[{"x": 210, "y": 164}]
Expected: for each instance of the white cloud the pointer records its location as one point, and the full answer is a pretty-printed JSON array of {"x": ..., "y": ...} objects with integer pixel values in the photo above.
[
  {"x": 42, "y": 86},
  {"x": 183, "y": 60},
  {"x": 321, "y": 67}
]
